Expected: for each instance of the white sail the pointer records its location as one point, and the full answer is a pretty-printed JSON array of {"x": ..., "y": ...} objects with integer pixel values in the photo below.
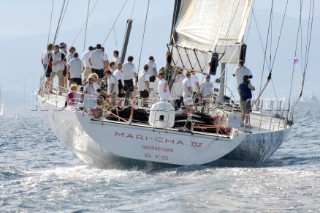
[
  {"x": 209, "y": 26},
  {"x": 207, "y": 22}
]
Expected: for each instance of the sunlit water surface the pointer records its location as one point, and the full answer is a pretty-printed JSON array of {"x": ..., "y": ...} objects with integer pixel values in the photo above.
[{"x": 38, "y": 174}]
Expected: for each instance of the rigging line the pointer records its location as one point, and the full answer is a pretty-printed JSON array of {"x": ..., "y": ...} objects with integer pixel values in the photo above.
[
  {"x": 259, "y": 34},
  {"x": 295, "y": 54},
  {"x": 309, "y": 30},
  {"x": 115, "y": 37},
  {"x": 114, "y": 23},
  {"x": 83, "y": 25},
  {"x": 281, "y": 28},
  {"x": 64, "y": 13},
  {"x": 266, "y": 49},
  {"x": 57, "y": 29},
  {"x": 134, "y": 4},
  {"x": 85, "y": 32},
  {"x": 50, "y": 21},
  {"x": 251, "y": 18},
  {"x": 271, "y": 40},
  {"x": 308, "y": 44},
  {"x": 274, "y": 89},
  {"x": 144, "y": 31}
]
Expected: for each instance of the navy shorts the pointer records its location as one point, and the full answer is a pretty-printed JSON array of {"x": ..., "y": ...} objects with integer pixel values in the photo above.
[{"x": 98, "y": 72}]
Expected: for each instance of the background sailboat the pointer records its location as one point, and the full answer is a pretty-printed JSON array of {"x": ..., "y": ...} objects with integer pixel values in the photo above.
[{"x": 1, "y": 105}]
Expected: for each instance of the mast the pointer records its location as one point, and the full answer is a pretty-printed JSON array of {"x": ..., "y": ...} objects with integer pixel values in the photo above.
[
  {"x": 176, "y": 11},
  {"x": 222, "y": 78},
  {"x": 126, "y": 40}
]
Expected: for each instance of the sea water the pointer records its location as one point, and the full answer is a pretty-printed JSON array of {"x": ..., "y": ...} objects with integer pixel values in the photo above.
[{"x": 38, "y": 174}]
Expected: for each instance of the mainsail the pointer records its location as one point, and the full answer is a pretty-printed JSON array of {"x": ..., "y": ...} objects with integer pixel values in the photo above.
[{"x": 204, "y": 27}]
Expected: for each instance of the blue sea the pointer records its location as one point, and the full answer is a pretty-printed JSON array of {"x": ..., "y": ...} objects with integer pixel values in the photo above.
[{"x": 38, "y": 174}]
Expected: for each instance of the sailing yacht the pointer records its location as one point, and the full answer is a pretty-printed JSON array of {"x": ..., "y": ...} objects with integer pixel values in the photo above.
[{"x": 205, "y": 35}]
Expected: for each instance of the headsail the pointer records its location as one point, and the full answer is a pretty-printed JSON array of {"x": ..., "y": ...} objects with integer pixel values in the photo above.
[{"x": 203, "y": 27}]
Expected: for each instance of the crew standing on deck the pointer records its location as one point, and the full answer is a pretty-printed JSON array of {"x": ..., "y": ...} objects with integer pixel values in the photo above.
[
  {"x": 87, "y": 65},
  {"x": 241, "y": 71},
  {"x": 75, "y": 67},
  {"x": 58, "y": 61},
  {"x": 46, "y": 60},
  {"x": 144, "y": 85},
  {"x": 97, "y": 60},
  {"x": 187, "y": 91},
  {"x": 129, "y": 73},
  {"x": 245, "y": 90},
  {"x": 206, "y": 92}
]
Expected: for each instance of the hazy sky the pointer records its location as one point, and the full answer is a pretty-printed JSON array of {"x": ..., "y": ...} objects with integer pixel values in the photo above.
[{"x": 25, "y": 25}]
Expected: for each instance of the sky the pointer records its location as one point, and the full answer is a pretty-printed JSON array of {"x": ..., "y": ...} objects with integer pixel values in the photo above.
[{"x": 25, "y": 27}]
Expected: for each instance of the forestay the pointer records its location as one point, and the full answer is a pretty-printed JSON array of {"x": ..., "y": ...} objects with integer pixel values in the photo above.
[{"x": 206, "y": 26}]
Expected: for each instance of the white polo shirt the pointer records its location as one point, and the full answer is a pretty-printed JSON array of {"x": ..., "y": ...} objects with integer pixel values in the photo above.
[
  {"x": 164, "y": 95},
  {"x": 152, "y": 67},
  {"x": 240, "y": 72},
  {"x": 113, "y": 80},
  {"x": 194, "y": 80},
  {"x": 119, "y": 75},
  {"x": 75, "y": 65},
  {"x": 70, "y": 56},
  {"x": 116, "y": 60},
  {"x": 185, "y": 84},
  {"x": 128, "y": 69},
  {"x": 56, "y": 57},
  {"x": 97, "y": 58},
  {"x": 206, "y": 89},
  {"x": 143, "y": 77},
  {"x": 85, "y": 59},
  {"x": 177, "y": 90},
  {"x": 45, "y": 57}
]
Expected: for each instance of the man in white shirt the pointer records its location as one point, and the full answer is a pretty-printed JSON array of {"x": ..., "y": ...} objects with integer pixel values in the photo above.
[
  {"x": 163, "y": 88},
  {"x": 63, "y": 50},
  {"x": 187, "y": 91},
  {"x": 58, "y": 61},
  {"x": 97, "y": 60},
  {"x": 86, "y": 64},
  {"x": 75, "y": 66},
  {"x": 119, "y": 76},
  {"x": 206, "y": 92},
  {"x": 116, "y": 58},
  {"x": 144, "y": 85},
  {"x": 129, "y": 73},
  {"x": 177, "y": 91},
  {"x": 46, "y": 60},
  {"x": 241, "y": 71},
  {"x": 71, "y": 53},
  {"x": 152, "y": 71},
  {"x": 70, "y": 56},
  {"x": 195, "y": 88},
  {"x": 112, "y": 91}
]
